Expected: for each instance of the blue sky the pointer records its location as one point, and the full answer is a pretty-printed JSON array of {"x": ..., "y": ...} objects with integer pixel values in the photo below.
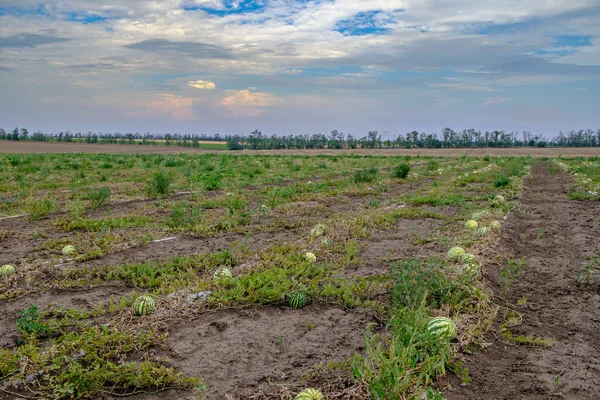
[{"x": 283, "y": 66}]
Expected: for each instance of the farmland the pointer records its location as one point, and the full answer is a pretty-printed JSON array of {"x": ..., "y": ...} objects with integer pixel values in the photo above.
[{"x": 363, "y": 238}]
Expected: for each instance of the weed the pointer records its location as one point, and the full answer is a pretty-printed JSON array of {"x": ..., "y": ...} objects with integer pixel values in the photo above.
[
  {"x": 510, "y": 271},
  {"x": 365, "y": 175},
  {"x": 159, "y": 184},
  {"x": 98, "y": 197},
  {"x": 29, "y": 323},
  {"x": 401, "y": 171},
  {"x": 39, "y": 209},
  {"x": 501, "y": 181}
]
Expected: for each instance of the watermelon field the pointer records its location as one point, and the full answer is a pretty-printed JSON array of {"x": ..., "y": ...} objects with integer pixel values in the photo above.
[{"x": 223, "y": 276}]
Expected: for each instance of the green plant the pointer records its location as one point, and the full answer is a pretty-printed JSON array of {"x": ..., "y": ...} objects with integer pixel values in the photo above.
[
  {"x": 29, "y": 323},
  {"x": 365, "y": 175},
  {"x": 39, "y": 209},
  {"x": 98, "y": 197},
  {"x": 501, "y": 181},
  {"x": 510, "y": 271},
  {"x": 159, "y": 184},
  {"x": 401, "y": 171}
]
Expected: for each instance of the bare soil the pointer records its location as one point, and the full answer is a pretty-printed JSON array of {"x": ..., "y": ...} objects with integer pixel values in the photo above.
[
  {"x": 53, "y": 147},
  {"x": 554, "y": 235},
  {"x": 83, "y": 299}
]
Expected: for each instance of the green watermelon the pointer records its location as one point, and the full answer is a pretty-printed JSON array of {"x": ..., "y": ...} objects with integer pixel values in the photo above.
[
  {"x": 144, "y": 305},
  {"x": 495, "y": 225},
  {"x": 455, "y": 253},
  {"x": 471, "y": 224},
  {"x": 69, "y": 251},
  {"x": 310, "y": 394},
  {"x": 297, "y": 300},
  {"x": 441, "y": 327},
  {"x": 7, "y": 270},
  {"x": 318, "y": 230},
  {"x": 467, "y": 258},
  {"x": 482, "y": 231},
  {"x": 222, "y": 274},
  {"x": 469, "y": 269}
]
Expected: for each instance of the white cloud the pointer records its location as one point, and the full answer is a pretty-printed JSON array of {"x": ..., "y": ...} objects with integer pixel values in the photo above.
[
  {"x": 247, "y": 103},
  {"x": 200, "y": 84}
]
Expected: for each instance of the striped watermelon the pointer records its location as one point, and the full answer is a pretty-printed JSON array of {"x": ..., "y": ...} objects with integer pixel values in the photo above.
[
  {"x": 455, "y": 253},
  {"x": 495, "y": 225},
  {"x": 469, "y": 269},
  {"x": 318, "y": 230},
  {"x": 222, "y": 274},
  {"x": 482, "y": 231},
  {"x": 69, "y": 250},
  {"x": 471, "y": 224},
  {"x": 144, "y": 305},
  {"x": 297, "y": 300},
  {"x": 441, "y": 327},
  {"x": 310, "y": 394},
  {"x": 7, "y": 270},
  {"x": 467, "y": 258}
]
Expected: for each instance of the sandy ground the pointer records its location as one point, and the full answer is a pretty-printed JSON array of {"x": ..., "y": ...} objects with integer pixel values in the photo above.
[{"x": 47, "y": 147}]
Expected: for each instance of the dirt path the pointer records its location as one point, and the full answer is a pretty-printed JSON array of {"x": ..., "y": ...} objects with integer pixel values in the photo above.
[
  {"x": 7, "y": 146},
  {"x": 554, "y": 235}
]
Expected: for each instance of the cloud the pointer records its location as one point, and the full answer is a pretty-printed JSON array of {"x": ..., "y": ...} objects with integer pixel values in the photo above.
[
  {"x": 191, "y": 49},
  {"x": 246, "y": 103},
  {"x": 29, "y": 40},
  {"x": 461, "y": 86},
  {"x": 200, "y": 84}
]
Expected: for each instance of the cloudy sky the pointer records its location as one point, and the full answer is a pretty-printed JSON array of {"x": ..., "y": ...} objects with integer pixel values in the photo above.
[{"x": 283, "y": 66}]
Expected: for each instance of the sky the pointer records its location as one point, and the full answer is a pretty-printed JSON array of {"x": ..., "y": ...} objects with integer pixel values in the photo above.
[{"x": 296, "y": 67}]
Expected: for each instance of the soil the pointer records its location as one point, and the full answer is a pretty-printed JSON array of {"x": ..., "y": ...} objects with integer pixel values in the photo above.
[
  {"x": 555, "y": 235},
  {"x": 47, "y": 147},
  {"x": 80, "y": 299},
  {"x": 241, "y": 351}
]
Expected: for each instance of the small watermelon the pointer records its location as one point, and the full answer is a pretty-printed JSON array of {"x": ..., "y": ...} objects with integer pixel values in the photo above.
[
  {"x": 297, "y": 300},
  {"x": 7, "y": 270},
  {"x": 310, "y": 257},
  {"x": 467, "y": 258},
  {"x": 455, "y": 253},
  {"x": 144, "y": 305},
  {"x": 471, "y": 224},
  {"x": 482, "y": 231},
  {"x": 469, "y": 269},
  {"x": 325, "y": 243},
  {"x": 222, "y": 274},
  {"x": 69, "y": 251},
  {"x": 441, "y": 327},
  {"x": 318, "y": 230},
  {"x": 495, "y": 225},
  {"x": 310, "y": 394}
]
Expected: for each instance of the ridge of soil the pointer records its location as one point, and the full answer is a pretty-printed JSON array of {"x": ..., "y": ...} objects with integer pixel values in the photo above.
[{"x": 555, "y": 235}]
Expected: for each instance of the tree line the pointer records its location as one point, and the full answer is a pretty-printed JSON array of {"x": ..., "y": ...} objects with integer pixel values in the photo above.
[{"x": 256, "y": 140}]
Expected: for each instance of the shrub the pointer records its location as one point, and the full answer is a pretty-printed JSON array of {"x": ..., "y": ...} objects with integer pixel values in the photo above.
[
  {"x": 365, "y": 175},
  {"x": 159, "y": 184},
  {"x": 401, "y": 170}
]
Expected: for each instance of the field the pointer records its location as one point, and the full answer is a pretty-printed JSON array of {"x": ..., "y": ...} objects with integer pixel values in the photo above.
[{"x": 364, "y": 239}]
